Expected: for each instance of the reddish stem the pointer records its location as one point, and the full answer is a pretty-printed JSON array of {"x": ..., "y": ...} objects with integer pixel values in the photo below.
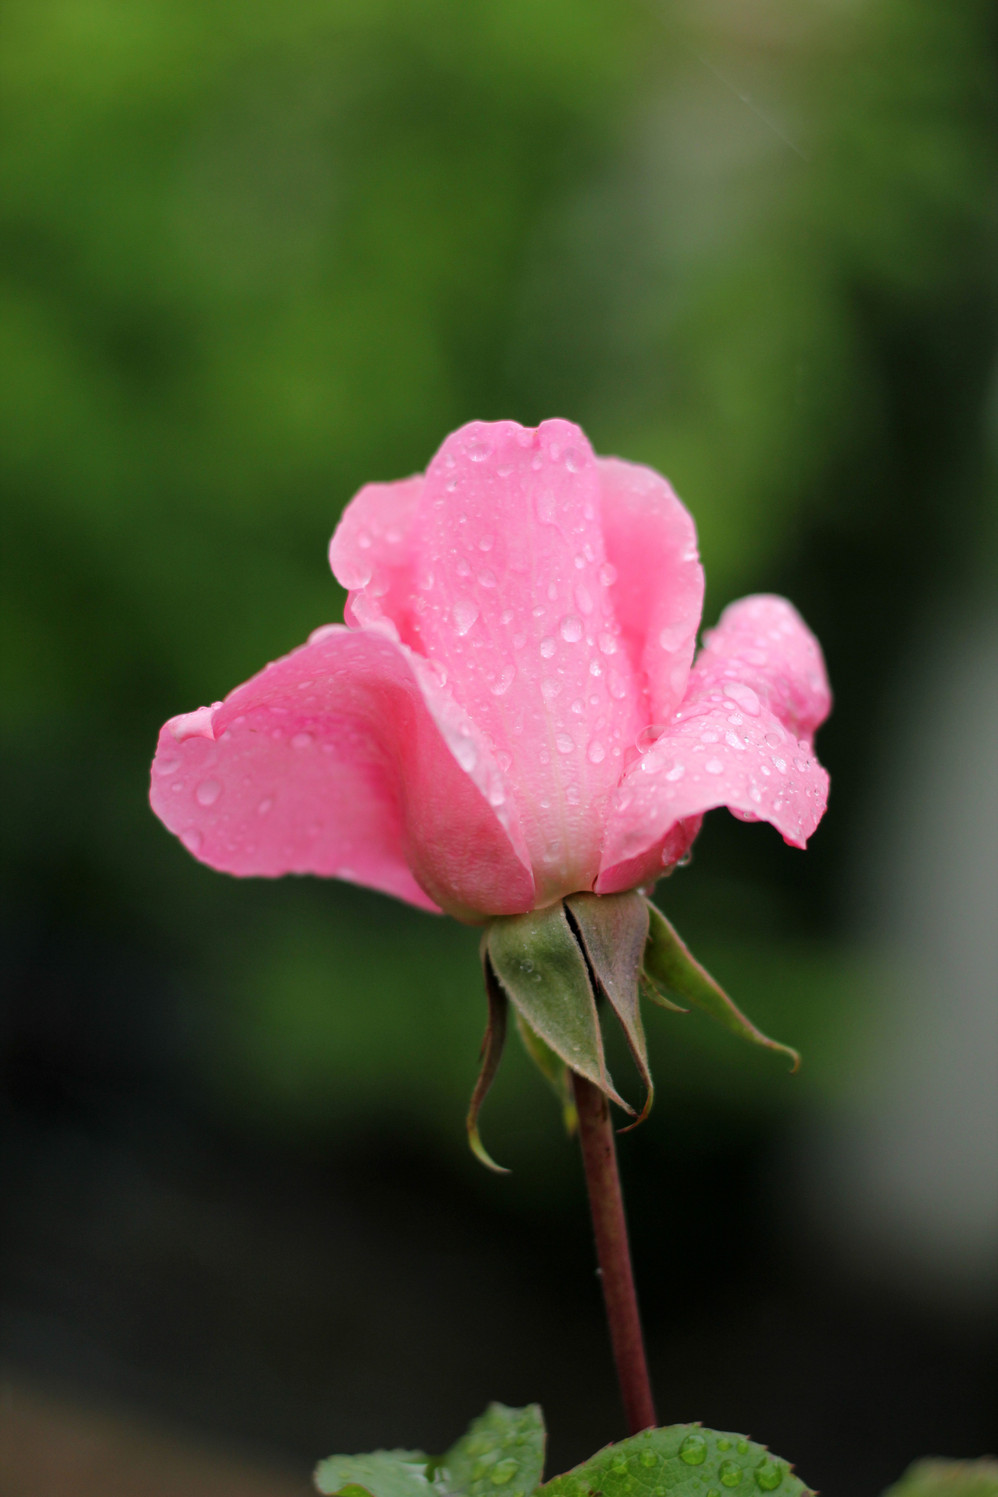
[{"x": 599, "y": 1155}]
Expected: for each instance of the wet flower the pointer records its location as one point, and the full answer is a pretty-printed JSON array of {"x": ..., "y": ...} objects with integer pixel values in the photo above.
[{"x": 511, "y": 712}]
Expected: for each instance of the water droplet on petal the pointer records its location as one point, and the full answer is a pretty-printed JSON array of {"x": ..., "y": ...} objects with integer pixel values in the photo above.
[
  {"x": 744, "y": 696},
  {"x": 548, "y": 647},
  {"x": 478, "y": 451},
  {"x": 265, "y": 805},
  {"x": 608, "y": 574},
  {"x": 302, "y": 740},
  {"x": 596, "y": 753},
  {"x": 487, "y": 578},
  {"x": 464, "y": 613},
  {"x": 676, "y": 772},
  {"x": 545, "y": 506},
  {"x": 574, "y": 460},
  {"x": 583, "y": 599},
  {"x": 714, "y": 766},
  {"x": 503, "y": 681},
  {"x": 364, "y": 541},
  {"x": 192, "y": 840},
  {"x": 565, "y": 743},
  {"x": 169, "y": 765},
  {"x": 465, "y": 752},
  {"x": 607, "y": 644},
  {"x": 571, "y": 629},
  {"x": 693, "y": 1450},
  {"x": 207, "y": 793}
]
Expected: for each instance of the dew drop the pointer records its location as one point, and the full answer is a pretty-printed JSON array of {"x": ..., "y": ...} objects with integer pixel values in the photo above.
[
  {"x": 733, "y": 740},
  {"x": 676, "y": 772},
  {"x": 364, "y": 541},
  {"x": 463, "y": 567},
  {"x": 724, "y": 1443},
  {"x": 571, "y": 629},
  {"x": 596, "y": 753},
  {"x": 465, "y": 612},
  {"x": 781, "y": 764},
  {"x": 465, "y": 753},
  {"x": 550, "y": 688},
  {"x": 619, "y": 1466},
  {"x": 730, "y": 1473},
  {"x": 503, "y": 681},
  {"x": 608, "y": 574},
  {"x": 504, "y": 1471},
  {"x": 742, "y": 1447},
  {"x": 168, "y": 766},
  {"x": 573, "y": 460},
  {"x": 478, "y": 451},
  {"x": 485, "y": 544},
  {"x": 265, "y": 805},
  {"x": 545, "y": 507},
  {"x": 693, "y": 1450},
  {"x": 649, "y": 1458},
  {"x": 800, "y": 764},
  {"x": 768, "y": 1474},
  {"x": 192, "y": 840},
  {"x": 564, "y": 742},
  {"x": 302, "y": 740},
  {"x": 607, "y": 644},
  {"x": 583, "y": 599},
  {"x": 487, "y": 578},
  {"x": 709, "y": 736},
  {"x": 744, "y": 696},
  {"x": 714, "y": 766},
  {"x": 548, "y": 647},
  {"x": 207, "y": 792}
]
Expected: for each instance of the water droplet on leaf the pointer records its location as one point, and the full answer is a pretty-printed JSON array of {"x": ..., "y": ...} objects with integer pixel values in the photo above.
[
  {"x": 693, "y": 1450},
  {"x": 730, "y": 1473}
]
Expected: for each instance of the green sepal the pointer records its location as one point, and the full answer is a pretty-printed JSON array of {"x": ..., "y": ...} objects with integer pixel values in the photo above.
[
  {"x": 493, "y": 1043},
  {"x": 502, "y": 1455},
  {"x": 552, "y": 1068},
  {"x": 543, "y": 972},
  {"x": 613, "y": 929},
  {"x": 938, "y": 1478},
  {"x": 683, "y": 1460},
  {"x": 384, "y": 1473},
  {"x": 672, "y": 970}
]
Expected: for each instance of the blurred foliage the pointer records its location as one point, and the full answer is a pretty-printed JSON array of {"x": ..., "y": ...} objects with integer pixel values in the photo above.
[{"x": 253, "y": 255}]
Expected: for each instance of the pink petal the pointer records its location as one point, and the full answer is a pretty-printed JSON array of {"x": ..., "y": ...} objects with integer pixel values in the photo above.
[
  {"x": 763, "y": 642},
  {"x": 371, "y": 554},
  {"x": 346, "y": 758},
  {"x": 651, "y": 543},
  {"x": 512, "y": 602},
  {"x": 759, "y": 681}
]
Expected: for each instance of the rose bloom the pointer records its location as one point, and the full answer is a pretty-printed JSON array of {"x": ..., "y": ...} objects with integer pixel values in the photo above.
[{"x": 511, "y": 712}]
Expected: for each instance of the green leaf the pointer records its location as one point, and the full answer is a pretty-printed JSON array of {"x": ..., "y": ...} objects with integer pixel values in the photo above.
[
  {"x": 682, "y": 1460},
  {"x": 938, "y": 1478},
  {"x": 491, "y": 1054},
  {"x": 502, "y": 1455},
  {"x": 613, "y": 929},
  {"x": 542, "y": 970},
  {"x": 671, "y": 968},
  {"x": 552, "y": 1068},
  {"x": 385, "y": 1473}
]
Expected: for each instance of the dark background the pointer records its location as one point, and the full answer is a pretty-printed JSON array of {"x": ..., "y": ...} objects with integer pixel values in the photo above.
[{"x": 253, "y": 255}]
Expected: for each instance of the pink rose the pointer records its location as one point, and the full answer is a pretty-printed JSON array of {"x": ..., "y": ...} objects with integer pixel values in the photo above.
[{"x": 511, "y": 712}]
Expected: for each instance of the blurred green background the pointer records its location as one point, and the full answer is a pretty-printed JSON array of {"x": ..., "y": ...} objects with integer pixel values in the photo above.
[{"x": 253, "y": 255}]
